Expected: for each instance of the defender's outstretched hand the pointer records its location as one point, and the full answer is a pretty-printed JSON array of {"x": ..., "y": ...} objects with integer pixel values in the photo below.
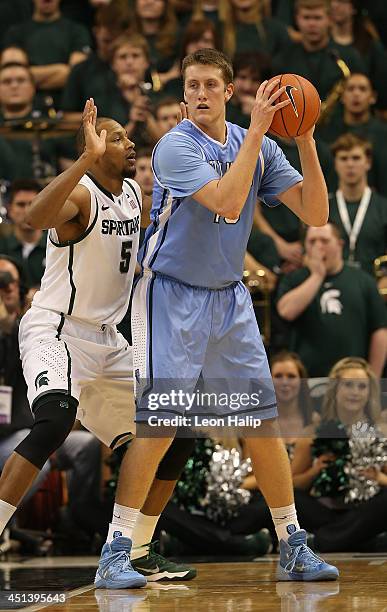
[
  {"x": 183, "y": 114},
  {"x": 95, "y": 145}
]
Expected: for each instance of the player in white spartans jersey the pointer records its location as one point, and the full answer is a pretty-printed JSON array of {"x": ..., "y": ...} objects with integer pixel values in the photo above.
[
  {"x": 72, "y": 280},
  {"x": 75, "y": 362}
]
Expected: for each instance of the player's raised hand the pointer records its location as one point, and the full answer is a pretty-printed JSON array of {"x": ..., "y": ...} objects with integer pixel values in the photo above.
[
  {"x": 265, "y": 105},
  {"x": 95, "y": 144},
  {"x": 183, "y": 114}
]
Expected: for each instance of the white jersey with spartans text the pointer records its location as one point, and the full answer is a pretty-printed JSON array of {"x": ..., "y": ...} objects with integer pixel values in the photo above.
[{"x": 91, "y": 277}]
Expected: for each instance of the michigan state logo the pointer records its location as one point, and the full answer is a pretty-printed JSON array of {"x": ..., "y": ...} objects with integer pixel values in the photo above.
[
  {"x": 41, "y": 379},
  {"x": 330, "y": 302}
]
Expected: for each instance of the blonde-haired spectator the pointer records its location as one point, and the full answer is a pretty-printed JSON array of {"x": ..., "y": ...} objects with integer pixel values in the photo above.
[{"x": 343, "y": 503}]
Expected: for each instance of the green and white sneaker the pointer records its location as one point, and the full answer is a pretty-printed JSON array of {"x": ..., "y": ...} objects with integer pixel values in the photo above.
[{"x": 156, "y": 567}]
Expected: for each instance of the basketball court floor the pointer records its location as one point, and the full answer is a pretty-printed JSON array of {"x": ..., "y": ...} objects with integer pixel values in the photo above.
[{"x": 229, "y": 586}]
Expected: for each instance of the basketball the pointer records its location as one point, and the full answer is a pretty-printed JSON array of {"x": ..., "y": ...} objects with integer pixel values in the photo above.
[{"x": 302, "y": 113}]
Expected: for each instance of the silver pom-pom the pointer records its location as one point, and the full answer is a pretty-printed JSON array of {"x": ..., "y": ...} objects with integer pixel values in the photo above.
[
  {"x": 367, "y": 450},
  {"x": 224, "y": 496}
]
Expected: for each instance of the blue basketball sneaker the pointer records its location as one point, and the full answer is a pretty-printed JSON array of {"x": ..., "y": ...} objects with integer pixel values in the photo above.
[
  {"x": 298, "y": 561},
  {"x": 115, "y": 570}
]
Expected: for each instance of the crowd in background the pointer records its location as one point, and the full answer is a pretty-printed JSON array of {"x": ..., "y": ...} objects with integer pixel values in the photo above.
[{"x": 318, "y": 292}]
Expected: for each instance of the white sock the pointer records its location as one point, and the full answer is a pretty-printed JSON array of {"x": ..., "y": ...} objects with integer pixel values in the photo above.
[
  {"x": 123, "y": 522},
  {"x": 285, "y": 521},
  {"x": 6, "y": 512},
  {"x": 142, "y": 535}
]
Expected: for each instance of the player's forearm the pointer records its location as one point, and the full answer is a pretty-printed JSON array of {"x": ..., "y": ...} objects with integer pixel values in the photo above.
[
  {"x": 46, "y": 206},
  {"x": 377, "y": 351},
  {"x": 314, "y": 190},
  {"x": 294, "y": 302},
  {"x": 51, "y": 76},
  {"x": 234, "y": 186}
]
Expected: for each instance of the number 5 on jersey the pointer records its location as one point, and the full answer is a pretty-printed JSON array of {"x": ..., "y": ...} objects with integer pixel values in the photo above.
[{"x": 126, "y": 252}]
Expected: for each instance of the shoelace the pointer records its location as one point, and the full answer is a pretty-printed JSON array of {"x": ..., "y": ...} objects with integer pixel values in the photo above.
[
  {"x": 300, "y": 551},
  {"x": 122, "y": 556}
]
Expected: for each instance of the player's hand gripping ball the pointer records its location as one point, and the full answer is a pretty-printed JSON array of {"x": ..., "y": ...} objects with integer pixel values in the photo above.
[{"x": 303, "y": 111}]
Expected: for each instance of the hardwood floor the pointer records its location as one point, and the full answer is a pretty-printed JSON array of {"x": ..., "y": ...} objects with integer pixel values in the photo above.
[{"x": 228, "y": 587}]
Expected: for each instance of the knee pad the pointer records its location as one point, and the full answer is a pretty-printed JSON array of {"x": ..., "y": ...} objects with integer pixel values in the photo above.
[
  {"x": 54, "y": 418},
  {"x": 174, "y": 460}
]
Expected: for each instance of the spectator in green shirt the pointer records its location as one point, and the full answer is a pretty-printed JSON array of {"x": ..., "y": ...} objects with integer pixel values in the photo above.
[
  {"x": 284, "y": 11},
  {"x": 377, "y": 10},
  {"x": 247, "y": 27},
  {"x": 53, "y": 43},
  {"x": 315, "y": 55},
  {"x": 361, "y": 214},
  {"x": 352, "y": 26},
  {"x": 355, "y": 116},
  {"x": 156, "y": 21},
  {"x": 26, "y": 245},
  {"x": 335, "y": 309},
  {"x": 131, "y": 99},
  {"x": 200, "y": 33},
  {"x": 94, "y": 77},
  {"x": 33, "y": 155},
  {"x": 12, "y": 12}
]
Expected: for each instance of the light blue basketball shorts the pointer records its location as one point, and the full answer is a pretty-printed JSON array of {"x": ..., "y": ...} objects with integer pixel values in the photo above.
[{"x": 198, "y": 353}]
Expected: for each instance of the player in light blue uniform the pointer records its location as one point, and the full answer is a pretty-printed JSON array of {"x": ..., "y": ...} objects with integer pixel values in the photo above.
[
  {"x": 192, "y": 316},
  {"x": 210, "y": 249},
  {"x": 189, "y": 243},
  {"x": 210, "y": 253}
]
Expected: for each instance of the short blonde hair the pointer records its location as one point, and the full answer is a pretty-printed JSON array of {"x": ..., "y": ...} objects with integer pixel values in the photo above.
[
  {"x": 373, "y": 408},
  {"x": 210, "y": 57}
]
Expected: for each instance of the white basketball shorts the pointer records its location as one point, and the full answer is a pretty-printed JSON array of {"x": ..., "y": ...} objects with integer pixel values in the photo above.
[{"x": 91, "y": 363}]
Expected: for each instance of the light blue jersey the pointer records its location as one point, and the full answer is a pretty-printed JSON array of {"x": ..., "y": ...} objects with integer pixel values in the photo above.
[{"x": 185, "y": 240}]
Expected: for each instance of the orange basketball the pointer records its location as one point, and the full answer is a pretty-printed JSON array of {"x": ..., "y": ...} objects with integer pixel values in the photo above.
[{"x": 302, "y": 113}]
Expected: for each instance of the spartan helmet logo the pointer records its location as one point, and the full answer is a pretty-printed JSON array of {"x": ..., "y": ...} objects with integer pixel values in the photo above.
[
  {"x": 41, "y": 379},
  {"x": 288, "y": 91},
  {"x": 330, "y": 302}
]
